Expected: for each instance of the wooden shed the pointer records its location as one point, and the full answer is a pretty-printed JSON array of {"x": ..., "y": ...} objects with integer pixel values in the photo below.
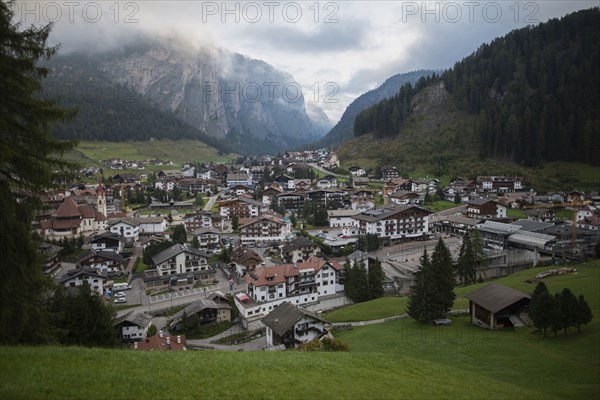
[{"x": 496, "y": 306}]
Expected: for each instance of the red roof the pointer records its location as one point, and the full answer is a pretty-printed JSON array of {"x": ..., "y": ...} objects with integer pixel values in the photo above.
[
  {"x": 68, "y": 209},
  {"x": 160, "y": 343},
  {"x": 87, "y": 211}
]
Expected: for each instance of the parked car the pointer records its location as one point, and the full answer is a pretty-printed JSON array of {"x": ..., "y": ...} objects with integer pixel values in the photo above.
[
  {"x": 120, "y": 300},
  {"x": 119, "y": 294}
]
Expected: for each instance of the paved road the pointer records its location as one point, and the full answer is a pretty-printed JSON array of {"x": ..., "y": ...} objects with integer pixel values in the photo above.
[
  {"x": 211, "y": 200},
  {"x": 315, "y": 166}
]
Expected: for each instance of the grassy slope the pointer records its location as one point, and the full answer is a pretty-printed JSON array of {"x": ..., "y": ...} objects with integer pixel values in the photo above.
[
  {"x": 179, "y": 151},
  {"x": 398, "y": 359},
  {"x": 63, "y": 373},
  {"x": 564, "y": 367}
]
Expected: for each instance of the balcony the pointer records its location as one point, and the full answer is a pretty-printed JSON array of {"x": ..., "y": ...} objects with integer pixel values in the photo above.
[{"x": 307, "y": 283}]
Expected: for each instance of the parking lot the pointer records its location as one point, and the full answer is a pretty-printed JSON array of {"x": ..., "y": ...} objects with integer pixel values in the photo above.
[{"x": 182, "y": 293}]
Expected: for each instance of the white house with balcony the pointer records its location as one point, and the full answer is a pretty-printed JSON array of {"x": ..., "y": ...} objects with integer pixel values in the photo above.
[
  {"x": 77, "y": 277},
  {"x": 394, "y": 223},
  {"x": 180, "y": 259}
]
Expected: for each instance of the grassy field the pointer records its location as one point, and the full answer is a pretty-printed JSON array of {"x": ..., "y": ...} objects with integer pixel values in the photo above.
[
  {"x": 394, "y": 360},
  {"x": 515, "y": 213},
  {"x": 76, "y": 373},
  {"x": 519, "y": 358},
  {"x": 440, "y": 205},
  {"x": 586, "y": 281},
  {"x": 178, "y": 151}
]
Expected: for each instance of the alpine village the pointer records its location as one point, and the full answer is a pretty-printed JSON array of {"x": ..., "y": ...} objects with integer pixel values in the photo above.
[{"x": 441, "y": 241}]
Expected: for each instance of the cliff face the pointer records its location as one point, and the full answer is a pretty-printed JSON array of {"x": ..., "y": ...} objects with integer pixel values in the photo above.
[{"x": 226, "y": 95}]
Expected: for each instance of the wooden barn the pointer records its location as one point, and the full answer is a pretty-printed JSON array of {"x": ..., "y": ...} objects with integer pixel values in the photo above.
[{"x": 496, "y": 306}]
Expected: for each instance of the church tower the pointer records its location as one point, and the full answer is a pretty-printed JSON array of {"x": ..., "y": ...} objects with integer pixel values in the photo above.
[{"x": 101, "y": 200}]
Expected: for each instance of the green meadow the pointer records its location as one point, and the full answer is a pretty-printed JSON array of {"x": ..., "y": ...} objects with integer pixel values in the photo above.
[{"x": 392, "y": 360}]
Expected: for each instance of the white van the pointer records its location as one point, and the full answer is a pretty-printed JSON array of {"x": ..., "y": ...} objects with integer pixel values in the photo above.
[{"x": 120, "y": 286}]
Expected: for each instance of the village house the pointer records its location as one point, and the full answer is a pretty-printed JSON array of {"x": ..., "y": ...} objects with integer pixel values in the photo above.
[
  {"x": 342, "y": 218},
  {"x": 200, "y": 220},
  {"x": 269, "y": 193},
  {"x": 301, "y": 184},
  {"x": 164, "y": 184},
  {"x": 208, "y": 238},
  {"x": 355, "y": 170},
  {"x": 427, "y": 185},
  {"x": 500, "y": 184},
  {"x": 359, "y": 182},
  {"x": 170, "y": 174},
  {"x": 285, "y": 181},
  {"x": 127, "y": 228},
  {"x": 241, "y": 190},
  {"x": 244, "y": 259},
  {"x": 394, "y": 223},
  {"x": 161, "y": 342},
  {"x": 266, "y": 228},
  {"x": 485, "y": 209},
  {"x": 362, "y": 200},
  {"x": 181, "y": 259},
  {"x": 204, "y": 310},
  {"x": 402, "y": 197},
  {"x": 300, "y": 283},
  {"x": 327, "y": 198},
  {"x": 300, "y": 249},
  {"x": 291, "y": 201},
  {"x": 540, "y": 214},
  {"x": 107, "y": 241},
  {"x": 327, "y": 182},
  {"x": 495, "y": 306},
  {"x": 388, "y": 173},
  {"x": 50, "y": 258},
  {"x": 90, "y": 276},
  {"x": 133, "y": 325},
  {"x": 241, "y": 178},
  {"x": 102, "y": 260},
  {"x": 290, "y": 326},
  {"x": 241, "y": 207}
]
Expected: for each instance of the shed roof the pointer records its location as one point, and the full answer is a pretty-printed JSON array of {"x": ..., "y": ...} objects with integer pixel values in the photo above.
[{"x": 495, "y": 297}]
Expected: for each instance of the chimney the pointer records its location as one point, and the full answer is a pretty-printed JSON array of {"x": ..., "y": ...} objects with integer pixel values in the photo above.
[
  {"x": 168, "y": 340},
  {"x": 178, "y": 339}
]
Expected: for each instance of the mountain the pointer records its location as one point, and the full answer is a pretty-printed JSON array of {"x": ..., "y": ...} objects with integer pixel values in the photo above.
[
  {"x": 528, "y": 97},
  {"x": 343, "y": 130},
  {"x": 213, "y": 93}
]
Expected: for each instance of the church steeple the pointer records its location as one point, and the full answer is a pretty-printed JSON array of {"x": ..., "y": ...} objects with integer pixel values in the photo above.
[{"x": 101, "y": 199}]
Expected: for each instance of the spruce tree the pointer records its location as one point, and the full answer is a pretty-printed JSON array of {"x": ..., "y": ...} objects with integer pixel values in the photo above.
[
  {"x": 376, "y": 278},
  {"x": 541, "y": 308},
  {"x": 583, "y": 314},
  {"x": 30, "y": 162},
  {"x": 443, "y": 281},
  {"x": 420, "y": 305},
  {"x": 569, "y": 306}
]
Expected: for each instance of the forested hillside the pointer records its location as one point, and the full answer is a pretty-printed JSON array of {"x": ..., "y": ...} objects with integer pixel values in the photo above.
[
  {"x": 342, "y": 131},
  {"x": 534, "y": 93}
]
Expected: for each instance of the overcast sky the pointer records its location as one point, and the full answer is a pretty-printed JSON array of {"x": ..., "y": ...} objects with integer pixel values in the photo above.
[{"x": 352, "y": 45}]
